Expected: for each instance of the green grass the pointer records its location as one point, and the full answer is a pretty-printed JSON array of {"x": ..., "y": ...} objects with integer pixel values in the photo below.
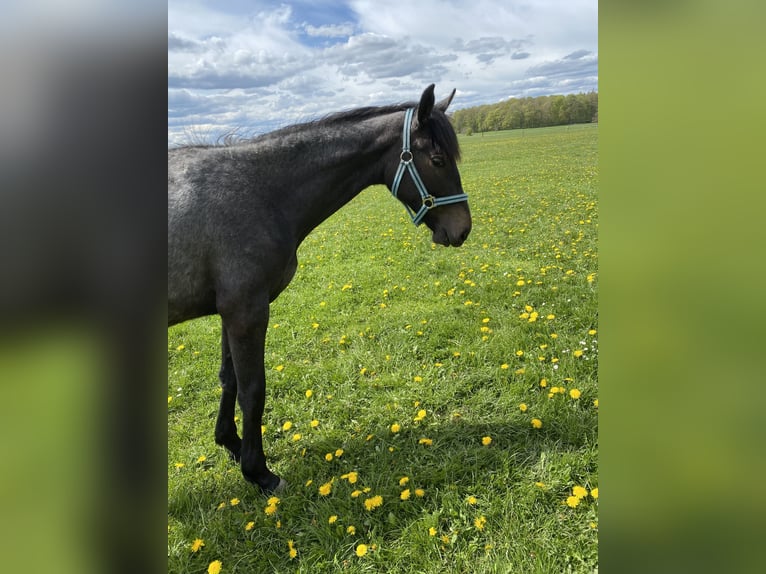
[{"x": 380, "y": 324}]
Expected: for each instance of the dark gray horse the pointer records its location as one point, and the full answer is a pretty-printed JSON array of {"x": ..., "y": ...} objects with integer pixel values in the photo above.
[{"x": 237, "y": 214}]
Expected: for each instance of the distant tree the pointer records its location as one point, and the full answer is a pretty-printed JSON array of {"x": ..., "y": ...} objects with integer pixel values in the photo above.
[{"x": 518, "y": 113}]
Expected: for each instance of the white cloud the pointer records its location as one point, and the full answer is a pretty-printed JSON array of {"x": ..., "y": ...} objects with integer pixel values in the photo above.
[{"x": 330, "y": 31}]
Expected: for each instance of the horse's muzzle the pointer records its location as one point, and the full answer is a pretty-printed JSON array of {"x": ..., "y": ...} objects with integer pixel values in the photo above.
[{"x": 456, "y": 239}]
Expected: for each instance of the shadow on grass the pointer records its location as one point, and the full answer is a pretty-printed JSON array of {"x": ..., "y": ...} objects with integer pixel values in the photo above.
[{"x": 456, "y": 460}]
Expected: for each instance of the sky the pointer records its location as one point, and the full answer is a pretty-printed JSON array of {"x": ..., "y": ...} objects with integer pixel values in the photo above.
[{"x": 252, "y": 66}]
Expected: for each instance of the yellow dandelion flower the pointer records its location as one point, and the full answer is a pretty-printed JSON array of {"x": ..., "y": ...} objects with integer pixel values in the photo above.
[
  {"x": 373, "y": 502},
  {"x": 180, "y": 347},
  {"x": 594, "y": 492},
  {"x": 426, "y": 441},
  {"x": 504, "y": 366},
  {"x": 356, "y": 493},
  {"x": 543, "y": 383},
  {"x": 550, "y": 317},
  {"x": 537, "y": 423},
  {"x": 395, "y": 428},
  {"x": 339, "y": 452},
  {"x": 333, "y": 519},
  {"x": 250, "y": 525},
  {"x": 309, "y": 482},
  {"x": 222, "y": 505},
  {"x": 361, "y": 550},
  {"x": 580, "y": 492},
  {"x": 179, "y": 464},
  {"x": 201, "y": 458},
  {"x": 352, "y": 477},
  {"x": 278, "y": 524},
  {"x": 270, "y": 509},
  {"x": 279, "y": 368},
  {"x": 519, "y": 353},
  {"x": 314, "y": 424},
  {"x": 405, "y": 495},
  {"x": 418, "y": 379},
  {"x": 291, "y": 546},
  {"x": 480, "y": 522},
  {"x": 404, "y": 480},
  {"x": 420, "y": 493},
  {"x": 471, "y": 500},
  {"x": 273, "y": 500},
  {"x": 575, "y": 393},
  {"x": 578, "y": 353},
  {"x": 540, "y": 484},
  {"x": 421, "y": 415},
  {"x": 214, "y": 567},
  {"x": 595, "y": 403},
  {"x": 169, "y": 399},
  {"x": 432, "y": 531},
  {"x": 287, "y": 426},
  {"x": 325, "y": 489},
  {"x": 572, "y": 501},
  {"x": 592, "y": 332},
  {"x": 234, "y": 501},
  {"x": 351, "y": 529},
  {"x": 486, "y": 440},
  {"x": 523, "y": 407},
  {"x": 309, "y": 393},
  {"x": 197, "y": 544},
  {"x": 328, "y": 457},
  {"x": 445, "y": 539},
  {"x": 297, "y": 436}
]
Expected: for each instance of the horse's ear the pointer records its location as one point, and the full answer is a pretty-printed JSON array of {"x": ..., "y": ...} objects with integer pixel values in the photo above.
[
  {"x": 426, "y": 105},
  {"x": 444, "y": 104}
]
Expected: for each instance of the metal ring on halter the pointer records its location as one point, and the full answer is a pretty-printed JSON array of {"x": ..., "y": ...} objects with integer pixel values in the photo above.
[
  {"x": 429, "y": 201},
  {"x": 408, "y": 152}
]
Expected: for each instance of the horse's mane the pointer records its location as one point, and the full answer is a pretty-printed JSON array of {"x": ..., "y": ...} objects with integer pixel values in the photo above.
[{"x": 442, "y": 132}]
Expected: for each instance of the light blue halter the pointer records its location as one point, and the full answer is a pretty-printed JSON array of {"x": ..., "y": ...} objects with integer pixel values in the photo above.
[{"x": 406, "y": 163}]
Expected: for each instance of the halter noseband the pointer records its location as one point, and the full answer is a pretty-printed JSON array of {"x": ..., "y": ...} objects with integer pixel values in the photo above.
[{"x": 406, "y": 163}]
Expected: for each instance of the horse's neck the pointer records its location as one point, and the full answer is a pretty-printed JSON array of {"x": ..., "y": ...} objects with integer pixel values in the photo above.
[{"x": 343, "y": 163}]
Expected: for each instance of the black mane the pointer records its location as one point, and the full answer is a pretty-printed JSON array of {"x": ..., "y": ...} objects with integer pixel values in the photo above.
[{"x": 442, "y": 132}]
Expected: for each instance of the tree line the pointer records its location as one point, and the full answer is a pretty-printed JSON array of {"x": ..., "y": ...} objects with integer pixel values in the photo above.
[{"x": 517, "y": 113}]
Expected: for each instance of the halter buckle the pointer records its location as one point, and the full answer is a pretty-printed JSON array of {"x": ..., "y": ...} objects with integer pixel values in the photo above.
[
  {"x": 429, "y": 201},
  {"x": 406, "y": 156}
]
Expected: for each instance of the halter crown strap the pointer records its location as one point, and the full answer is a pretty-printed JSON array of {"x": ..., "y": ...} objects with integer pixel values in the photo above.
[{"x": 406, "y": 163}]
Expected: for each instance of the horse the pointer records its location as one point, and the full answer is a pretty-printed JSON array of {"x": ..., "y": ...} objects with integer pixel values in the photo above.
[{"x": 237, "y": 213}]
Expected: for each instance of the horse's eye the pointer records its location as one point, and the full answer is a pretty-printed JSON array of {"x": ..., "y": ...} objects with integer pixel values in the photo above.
[{"x": 437, "y": 160}]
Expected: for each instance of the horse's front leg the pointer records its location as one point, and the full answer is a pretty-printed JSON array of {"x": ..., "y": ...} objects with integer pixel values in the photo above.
[
  {"x": 225, "y": 427},
  {"x": 246, "y": 330}
]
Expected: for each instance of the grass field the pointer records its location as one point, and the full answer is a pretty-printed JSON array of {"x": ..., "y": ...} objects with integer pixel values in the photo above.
[{"x": 405, "y": 385}]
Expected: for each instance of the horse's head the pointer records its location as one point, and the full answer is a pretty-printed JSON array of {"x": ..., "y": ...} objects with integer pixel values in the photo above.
[{"x": 430, "y": 153}]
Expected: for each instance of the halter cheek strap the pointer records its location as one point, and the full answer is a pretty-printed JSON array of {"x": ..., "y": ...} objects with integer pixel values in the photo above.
[{"x": 406, "y": 163}]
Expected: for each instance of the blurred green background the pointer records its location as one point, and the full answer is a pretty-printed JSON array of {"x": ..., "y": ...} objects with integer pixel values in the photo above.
[{"x": 681, "y": 305}]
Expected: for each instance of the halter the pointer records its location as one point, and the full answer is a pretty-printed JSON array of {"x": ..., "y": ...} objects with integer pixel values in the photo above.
[{"x": 406, "y": 164}]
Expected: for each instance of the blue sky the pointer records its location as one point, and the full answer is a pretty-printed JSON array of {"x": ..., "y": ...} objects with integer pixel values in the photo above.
[{"x": 256, "y": 65}]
